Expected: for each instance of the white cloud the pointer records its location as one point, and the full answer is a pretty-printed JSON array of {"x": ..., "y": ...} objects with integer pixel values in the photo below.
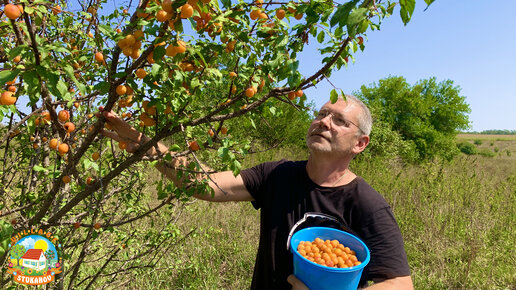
[{"x": 28, "y": 243}]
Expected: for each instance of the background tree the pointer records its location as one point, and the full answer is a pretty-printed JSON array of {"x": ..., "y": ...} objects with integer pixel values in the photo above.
[
  {"x": 178, "y": 70},
  {"x": 17, "y": 251},
  {"x": 427, "y": 116},
  {"x": 50, "y": 255}
]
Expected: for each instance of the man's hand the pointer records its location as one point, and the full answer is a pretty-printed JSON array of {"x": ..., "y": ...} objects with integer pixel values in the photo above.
[
  {"x": 296, "y": 283},
  {"x": 123, "y": 132}
]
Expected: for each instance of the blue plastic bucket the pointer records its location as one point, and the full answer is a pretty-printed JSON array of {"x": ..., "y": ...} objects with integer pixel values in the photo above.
[{"x": 320, "y": 277}]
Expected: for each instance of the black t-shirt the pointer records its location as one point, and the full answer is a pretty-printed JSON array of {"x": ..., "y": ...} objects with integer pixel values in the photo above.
[{"x": 284, "y": 193}]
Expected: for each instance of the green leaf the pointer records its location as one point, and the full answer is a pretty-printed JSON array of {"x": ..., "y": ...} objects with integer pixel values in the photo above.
[
  {"x": 236, "y": 166},
  {"x": 174, "y": 148},
  {"x": 342, "y": 13},
  {"x": 17, "y": 51},
  {"x": 356, "y": 16},
  {"x": 62, "y": 88},
  {"x": 407, "y": 8},
  {"x": 8, "y": 75},
  {"x": 428, "y": 2},
  {"x": 320, "y": 37},
  {"x": 102, "y": 87},
  {"x": 158, "y": 53},
  {"x": 155, "y": 69},
  {"x": 38, "y": 168},
  {"x": 107, "y": 30},
  {"x": 334, "y": 96}
]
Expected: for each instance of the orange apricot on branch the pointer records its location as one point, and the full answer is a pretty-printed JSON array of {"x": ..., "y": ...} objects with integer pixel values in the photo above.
[
  {"x": 63, "y": 115},
  {"x": 122, "y": 145},
  {"x": 96, "y": 225},
  {"x": 95, "y": 156},
  {"x": 163, "y": 16},
  {"x": 63, "y": 148},
  {"x": 140, "y": 73},
  {"x": 167, "y": 6},
  {"x": 53, "y": 143},
  {"x": 186, "y": 11},
  {"x": 121, "y": 90},
  {"x": 280, "y": 14},
  {"x": 147, "y": 120},
  {"x": 69, "y": 127},
  {"x": 99, "y": 57},
  {"x": 56, "y": 9},
  {"x": 249, "y": 92},
  {"x": 12, "y": 11},
  {"x": 193, "y": 145},
  {"x": 7, "y": 98},
  {"x": 66, "y": 179}
]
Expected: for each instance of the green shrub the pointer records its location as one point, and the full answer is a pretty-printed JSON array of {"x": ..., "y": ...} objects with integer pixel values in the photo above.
[
  {"x": 467, "y": 148},
  {"x": 486, "y": 153},
  {"x": 477, "y": 142}
]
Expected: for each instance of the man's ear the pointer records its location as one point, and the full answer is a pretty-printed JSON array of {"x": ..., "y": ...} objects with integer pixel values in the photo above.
[{"x": 361, "y": 144}]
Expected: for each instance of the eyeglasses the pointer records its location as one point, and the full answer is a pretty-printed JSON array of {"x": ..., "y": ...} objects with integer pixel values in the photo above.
[
  {"x": 315, "y": 219},
  {"x": 335, "y": 119}
]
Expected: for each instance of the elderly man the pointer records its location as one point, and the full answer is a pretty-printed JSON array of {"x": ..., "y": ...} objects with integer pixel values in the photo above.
[{"x": 286, "y": 190}]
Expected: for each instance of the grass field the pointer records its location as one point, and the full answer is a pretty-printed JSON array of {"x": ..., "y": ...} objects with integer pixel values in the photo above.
[{"x": 458, "y": 221}]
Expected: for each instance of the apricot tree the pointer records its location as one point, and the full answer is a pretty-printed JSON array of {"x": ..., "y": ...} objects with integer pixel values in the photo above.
[{"x": 177, "y": 70}]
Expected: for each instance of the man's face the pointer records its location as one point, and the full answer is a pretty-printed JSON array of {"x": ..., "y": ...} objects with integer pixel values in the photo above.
[{"x": 335, "y": 128}]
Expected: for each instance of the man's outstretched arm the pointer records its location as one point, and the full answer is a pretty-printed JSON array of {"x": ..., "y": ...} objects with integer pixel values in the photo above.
[{"x": 226, "y": 186}]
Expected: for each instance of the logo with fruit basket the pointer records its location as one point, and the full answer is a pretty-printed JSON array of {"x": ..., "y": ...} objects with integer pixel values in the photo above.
[{"x": 33, "y": 257}]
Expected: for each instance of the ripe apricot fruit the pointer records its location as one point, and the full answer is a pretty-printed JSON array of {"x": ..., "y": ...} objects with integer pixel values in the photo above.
[
  {"x": 7, "y": 97},
  {"x": 280, "y": 13},
  {"x": 360, "y": 40},
  {"x": 96, "y": 226},
  {"x": 193, "y": 145},
  {"x": 66, "y": 179},
  {"x": 63, "y": 115},
  {"x": 186, "y": 11},
  {"x": 95, "y": 156},
  {"x": 121, "y": 90},
  {"x": 99, "y": 57},
  {"x": 69, "y": 127},
  {"x": 232, "y": 74},
  {"x": 141, "y": 73},
  {"x": 224, "y": 130},
  {"x": 249, "y": 92},
  {"x": 299, "y": 93},
  {"x": 162, "y": 16},
  {"x": 53, "y": 143},
  {"x": 167, "y": 6},
  {"x": 76, "y": 225},
  {"x": 122, "y": 145},
  {"x": 89, "y": 180},
  {"x": 63, "y": 148},
  {"x": 328, "y": 253},
  {"x": 12, "y": 11}
]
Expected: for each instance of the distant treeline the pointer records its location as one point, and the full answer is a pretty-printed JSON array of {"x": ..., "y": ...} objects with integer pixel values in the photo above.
[{"x": 494, "y": 132}]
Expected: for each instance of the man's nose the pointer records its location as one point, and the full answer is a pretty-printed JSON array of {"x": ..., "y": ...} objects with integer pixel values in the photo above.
[{"x": 327, "y": 121}]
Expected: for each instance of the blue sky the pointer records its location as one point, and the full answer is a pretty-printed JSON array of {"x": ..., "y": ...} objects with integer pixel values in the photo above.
[{"x": 471, "y": 42}]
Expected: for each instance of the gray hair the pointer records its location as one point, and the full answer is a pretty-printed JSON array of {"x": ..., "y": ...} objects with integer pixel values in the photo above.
[{"x": 365, "y": 121}]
